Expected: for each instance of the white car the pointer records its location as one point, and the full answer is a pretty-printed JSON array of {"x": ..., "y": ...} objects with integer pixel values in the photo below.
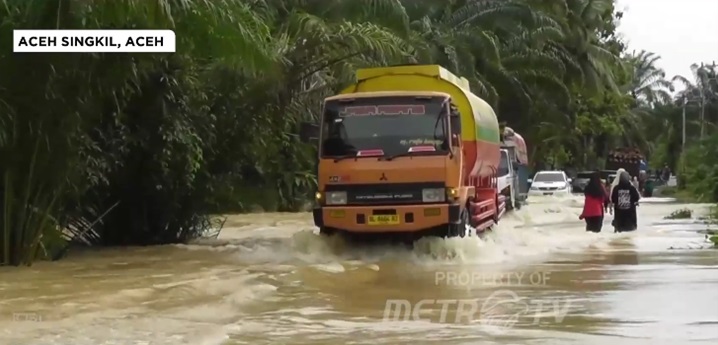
[{"x": 550, "y": 183}]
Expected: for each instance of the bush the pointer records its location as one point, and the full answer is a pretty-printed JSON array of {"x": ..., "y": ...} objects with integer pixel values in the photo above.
[
  {"x": 700, "y": 169},
  {"x": 680, "y": 214}
]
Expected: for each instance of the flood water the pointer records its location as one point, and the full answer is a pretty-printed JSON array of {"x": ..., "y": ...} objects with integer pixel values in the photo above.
[{"x": 539, "y": 278}]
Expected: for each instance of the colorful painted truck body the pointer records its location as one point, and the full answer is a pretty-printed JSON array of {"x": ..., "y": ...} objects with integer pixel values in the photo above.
[{"x": 410, "y": 150}]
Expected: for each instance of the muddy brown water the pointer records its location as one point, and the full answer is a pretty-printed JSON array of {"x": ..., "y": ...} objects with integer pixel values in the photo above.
[{"x": 269, "y": 279}]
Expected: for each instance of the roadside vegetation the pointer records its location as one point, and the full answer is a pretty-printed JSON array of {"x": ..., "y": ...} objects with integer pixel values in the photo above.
[
  {"x": 712, "y": 233},
  {"x": 683, "y": 213},
  {"x": 140, "y": 149}
]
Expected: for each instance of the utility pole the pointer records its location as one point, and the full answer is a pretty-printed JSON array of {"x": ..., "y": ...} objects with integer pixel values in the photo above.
[
  {"x": 703, "y": 111},
  {"x": 683, "y": 142}
]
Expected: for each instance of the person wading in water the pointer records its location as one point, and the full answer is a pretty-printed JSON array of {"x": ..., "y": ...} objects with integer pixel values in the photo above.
[
  {"x": 595, "y": 204},
  {"x": 624, "y": 197}
]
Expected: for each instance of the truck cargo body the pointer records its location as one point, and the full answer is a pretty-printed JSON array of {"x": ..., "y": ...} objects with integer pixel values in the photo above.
[
  {"x": 629, "y": 159},
  {"x": 423, "y": 155}
]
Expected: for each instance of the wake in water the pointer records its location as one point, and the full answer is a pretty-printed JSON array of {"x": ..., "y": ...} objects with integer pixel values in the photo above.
[{"x": 545, "y": 225}]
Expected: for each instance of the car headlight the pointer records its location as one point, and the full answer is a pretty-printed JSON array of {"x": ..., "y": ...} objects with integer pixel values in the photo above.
[
  {"x": 433, "y": 195},
  {"x": 336, "y": 198},
  {"x": 534, "y": 188}
]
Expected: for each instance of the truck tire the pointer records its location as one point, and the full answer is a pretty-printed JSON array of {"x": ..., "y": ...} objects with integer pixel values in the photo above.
[
  {"x": 459, "y": 230},
  {"x": 325, "y": 231},
  {"x": 510, "y": 201}
]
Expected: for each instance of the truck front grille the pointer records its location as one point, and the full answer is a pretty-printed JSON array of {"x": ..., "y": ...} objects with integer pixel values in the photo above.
[{"x": 384, "y": 193}]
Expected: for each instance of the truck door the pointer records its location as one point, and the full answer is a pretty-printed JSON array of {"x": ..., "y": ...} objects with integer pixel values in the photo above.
[{"x": 509, "y": 179}]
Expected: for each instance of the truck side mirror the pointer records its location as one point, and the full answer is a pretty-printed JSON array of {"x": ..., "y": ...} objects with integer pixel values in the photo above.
[
  {"x": 308, "y": 131},
  {"x": 455, "y": 122}
]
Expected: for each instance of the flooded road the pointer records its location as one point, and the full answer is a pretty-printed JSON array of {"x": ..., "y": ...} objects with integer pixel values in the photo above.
[{"x": 539, "y": 278}]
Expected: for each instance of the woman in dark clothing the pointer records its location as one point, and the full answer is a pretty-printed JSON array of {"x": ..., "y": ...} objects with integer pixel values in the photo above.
[
  {"x": 595, "y": 204},
  {"x": 625, "y": 198}
]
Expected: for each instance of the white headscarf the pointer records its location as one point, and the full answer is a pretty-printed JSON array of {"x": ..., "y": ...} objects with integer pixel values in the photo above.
[{"x": 617, "y": 179}]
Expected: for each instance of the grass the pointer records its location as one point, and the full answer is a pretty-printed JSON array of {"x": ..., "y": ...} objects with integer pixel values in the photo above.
[
  {"x": 683, "y": 213},
  {"x": 681, "y": 195}
]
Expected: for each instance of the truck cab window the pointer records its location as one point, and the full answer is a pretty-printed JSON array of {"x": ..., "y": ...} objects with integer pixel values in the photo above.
[{"x": 334, "y": 143}]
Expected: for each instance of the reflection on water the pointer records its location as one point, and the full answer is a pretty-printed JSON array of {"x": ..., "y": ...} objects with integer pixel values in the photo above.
[{"x": 270, "y": 279}]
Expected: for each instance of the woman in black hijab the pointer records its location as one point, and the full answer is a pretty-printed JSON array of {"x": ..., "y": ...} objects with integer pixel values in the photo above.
[{"x": 625, "y": 198}]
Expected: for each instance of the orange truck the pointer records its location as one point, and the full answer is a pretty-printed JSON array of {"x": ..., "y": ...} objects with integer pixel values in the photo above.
[{"x": 406, "y": 150}]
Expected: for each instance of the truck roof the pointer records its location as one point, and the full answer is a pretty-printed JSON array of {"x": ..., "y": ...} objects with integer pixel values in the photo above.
[
  {"x": 387, "y": 94},
  {"x": 434, "y": 71}
]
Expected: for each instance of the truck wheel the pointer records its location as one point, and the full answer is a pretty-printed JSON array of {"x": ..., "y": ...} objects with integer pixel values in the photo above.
[
  {"x": 509, "y": 202},
  {"x": 325, "y": 231},
  {"x": 459, "y": 230}
]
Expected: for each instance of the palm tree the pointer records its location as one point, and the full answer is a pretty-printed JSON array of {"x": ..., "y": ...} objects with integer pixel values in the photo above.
[
  {"x": 648, "y": 84},
  {"x": 703, "y": 89},
  {"x": 583, "y": 20}
]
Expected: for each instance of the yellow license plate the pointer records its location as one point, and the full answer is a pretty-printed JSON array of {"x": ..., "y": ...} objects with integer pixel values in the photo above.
[
  {"x": 336, "y": 214},
  {"x": 384, "y": 220}
]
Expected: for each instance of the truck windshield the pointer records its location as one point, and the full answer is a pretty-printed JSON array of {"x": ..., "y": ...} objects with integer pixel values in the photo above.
[{"x": 390, "y": 124}]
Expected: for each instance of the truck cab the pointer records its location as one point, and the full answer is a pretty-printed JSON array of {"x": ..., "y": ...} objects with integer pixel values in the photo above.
[
  {"x": 513, "y": 169},
  {"x": 389, "y": 162},
  {"x": 508, "y": 180}
]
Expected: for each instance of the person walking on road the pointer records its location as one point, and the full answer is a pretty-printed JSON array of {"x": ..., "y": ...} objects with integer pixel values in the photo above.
[
  {"x": 624, "y": 198},
  {"x": 595, "y": 204},
  {"x": 666, "y": 173}
]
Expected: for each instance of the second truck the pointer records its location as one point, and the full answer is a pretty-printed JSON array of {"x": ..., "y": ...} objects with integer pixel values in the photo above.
[
  {"x": 407, "y": 150},
  {"x": 513, "y": 171}
]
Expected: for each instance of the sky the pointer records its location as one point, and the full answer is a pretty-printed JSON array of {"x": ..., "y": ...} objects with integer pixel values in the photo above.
[{"x": 682, "y": 32}]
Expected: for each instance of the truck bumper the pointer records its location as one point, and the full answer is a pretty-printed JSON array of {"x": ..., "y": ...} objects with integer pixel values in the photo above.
[{"x": 411, "y": 218}]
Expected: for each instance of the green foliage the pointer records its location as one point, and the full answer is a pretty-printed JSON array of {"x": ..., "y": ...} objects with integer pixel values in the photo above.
[
  {"x": 699, "y": 169},
  {"x": 120, "y": 149}
]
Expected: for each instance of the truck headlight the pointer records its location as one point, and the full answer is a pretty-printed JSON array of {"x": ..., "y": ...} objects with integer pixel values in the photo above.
[
  {"x": 433, "y": 195},
  {"x": 336, "y": 198},
  {"x": 452, "y": 193}
]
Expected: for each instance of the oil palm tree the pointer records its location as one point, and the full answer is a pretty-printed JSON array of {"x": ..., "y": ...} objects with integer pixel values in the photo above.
[
  {"x": 65, "y": 109},
  {"x": 648, "y": 84},
  {"x": 703, "y": 89}
]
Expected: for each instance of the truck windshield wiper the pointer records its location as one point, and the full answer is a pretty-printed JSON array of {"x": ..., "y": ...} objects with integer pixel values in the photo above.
[
  {"x": 347, "y": 156},
  {"x": 404, "y": 154},
  {"x": 407, "y": 153}
]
